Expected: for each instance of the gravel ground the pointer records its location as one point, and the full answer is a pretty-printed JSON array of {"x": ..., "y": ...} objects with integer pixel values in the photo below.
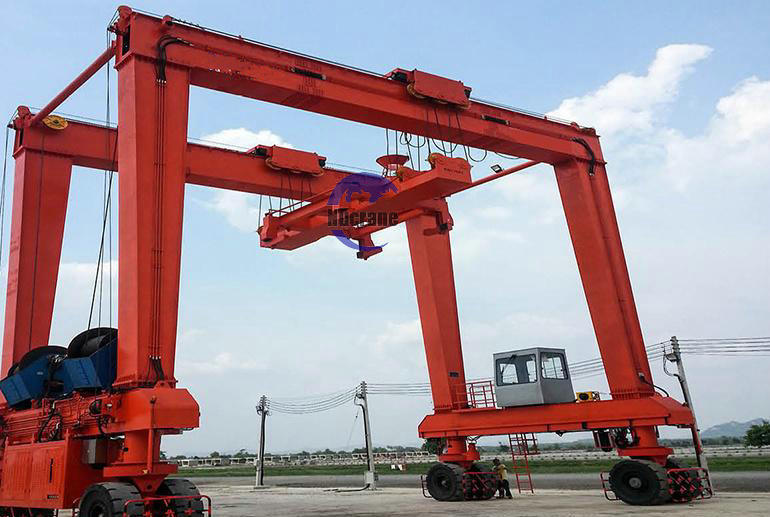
[{"x": 243, "y": 501}]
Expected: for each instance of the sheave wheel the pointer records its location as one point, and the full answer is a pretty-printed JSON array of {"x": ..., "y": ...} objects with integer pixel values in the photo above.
[
  {"x": 181, "y": 487},
  {"x": 640, "y": 482},
  {"x": 109, "y": 500},
  {"x": 445, "y": 482}
]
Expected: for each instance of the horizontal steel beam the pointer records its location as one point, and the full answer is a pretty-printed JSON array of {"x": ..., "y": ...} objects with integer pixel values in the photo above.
[
  {"x": 238, "y": 66},
  {"x": 645, "y": 411},
  {"x": 94, "y": 146}
]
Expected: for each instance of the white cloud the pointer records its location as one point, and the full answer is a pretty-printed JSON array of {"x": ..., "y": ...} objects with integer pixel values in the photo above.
[
  {"x": 397, "y": 352},
  {"x": 628, "y": 102},
  {"x": 494, "y": 212},
  {"x": 534, "y": 187},
  {"x": 241, "y": 138},
  {"x": 240, "y": 209},
  {"x": 223, "y": 362},
  {"x": 734, "y": 145},
  {"x": 193, "y": 343},
  {"x": 73, "y": 298},
  {"x": 744, "y": 116},
  {"x": 471, "y": 241}
]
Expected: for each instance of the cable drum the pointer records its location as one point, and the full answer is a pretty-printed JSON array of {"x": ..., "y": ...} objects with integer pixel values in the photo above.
[
  {"x": 35, "y": 354},
  {"x": 91, "y": 340}
]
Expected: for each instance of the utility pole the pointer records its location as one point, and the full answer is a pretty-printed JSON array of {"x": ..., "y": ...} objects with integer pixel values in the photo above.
[
  {"x": 370, "y": 477},
  {"x": 262, "y": 412},
  {"x": 676, "y": 357}
]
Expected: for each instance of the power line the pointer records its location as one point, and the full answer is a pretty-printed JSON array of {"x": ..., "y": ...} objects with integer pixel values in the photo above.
[
  {"x": 753, "y": 346},
  {"x": 312, "y": 404}
]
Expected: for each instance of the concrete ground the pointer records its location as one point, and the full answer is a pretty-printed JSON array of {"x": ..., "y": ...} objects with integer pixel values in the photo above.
[
  {"x": 242, "y": 501},
  {"x": 723, "y": 481}
]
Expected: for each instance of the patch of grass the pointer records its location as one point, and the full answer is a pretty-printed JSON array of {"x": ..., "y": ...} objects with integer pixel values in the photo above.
[
  {"x": 734, "y": 464},
  {"x": 737, "y": 464}
]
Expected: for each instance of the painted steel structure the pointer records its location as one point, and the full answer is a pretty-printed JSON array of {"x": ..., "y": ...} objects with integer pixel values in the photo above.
[{"x": 157, "y": 60}]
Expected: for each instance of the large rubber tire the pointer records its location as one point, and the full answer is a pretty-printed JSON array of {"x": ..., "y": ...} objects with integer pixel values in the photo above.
[
  {"x": 640, "y": 482},
  {"x": 109, "y": 500},
  {"x": 445, "y": 482},
  {"x": 182, "y": 487},
  {"x": 685, "y": 486}
]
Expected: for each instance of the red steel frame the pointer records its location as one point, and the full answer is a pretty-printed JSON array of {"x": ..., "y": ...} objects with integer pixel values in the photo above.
[{"x": 157, "y": 60}]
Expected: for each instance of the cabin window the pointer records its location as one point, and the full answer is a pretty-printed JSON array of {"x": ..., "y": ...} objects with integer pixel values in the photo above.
[
  {"x": 516, "y": 369},
  {"x": 553, "y": 365}
]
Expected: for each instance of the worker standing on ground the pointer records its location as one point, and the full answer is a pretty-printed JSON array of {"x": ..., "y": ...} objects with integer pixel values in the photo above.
[{"x": 503, "y": 487}]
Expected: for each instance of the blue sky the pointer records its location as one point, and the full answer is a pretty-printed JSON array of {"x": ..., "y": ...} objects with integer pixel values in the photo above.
[{"x": 679, "y": 91}]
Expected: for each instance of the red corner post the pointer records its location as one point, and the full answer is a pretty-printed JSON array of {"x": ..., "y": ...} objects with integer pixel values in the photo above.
[
  {"x": 431, "y": 254},
  {"x": 593, "y": 227},
  {"x": 152, "y": 141},
  {"x": 41, "y": 189}
]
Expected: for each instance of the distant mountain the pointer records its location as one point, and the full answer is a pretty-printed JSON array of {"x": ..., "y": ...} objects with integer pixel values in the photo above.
[{"x": 733, "y": 428}]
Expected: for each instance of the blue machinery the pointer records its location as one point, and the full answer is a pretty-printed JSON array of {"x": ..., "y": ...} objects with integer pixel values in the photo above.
[{"x": 89, "y": 363}]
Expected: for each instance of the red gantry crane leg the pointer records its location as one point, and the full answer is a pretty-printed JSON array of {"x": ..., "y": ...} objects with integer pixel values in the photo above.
[
  {"x": 82, "y": 426},
  {"x": 431, "y": 255},
  {"x": 41, "y": 187}
]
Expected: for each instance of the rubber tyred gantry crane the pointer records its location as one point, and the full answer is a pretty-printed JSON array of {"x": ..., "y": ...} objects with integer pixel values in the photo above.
[{"x": 81, "y": 427}]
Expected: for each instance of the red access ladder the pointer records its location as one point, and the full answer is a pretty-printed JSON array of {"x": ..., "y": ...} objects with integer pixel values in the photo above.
[{"x": 523, "y": 445}]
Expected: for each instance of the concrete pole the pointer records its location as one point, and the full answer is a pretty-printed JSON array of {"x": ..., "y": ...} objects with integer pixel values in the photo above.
[
  {"x": 370, "y": 478},
  {"x": 701, "y": 458},
  {"x": 262, "y": 412}
]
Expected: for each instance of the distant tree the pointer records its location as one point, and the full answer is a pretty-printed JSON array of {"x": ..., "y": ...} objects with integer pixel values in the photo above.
[
  {"x": 758, "y": 435},
  {"x": 241, "y": 453},
  {"x": 502, "y": 447},
  {"x": 179, "y": 457},
  {"x": 163, "y": 455},
  {"x": 434, "y": 445},
  {"x": 214, "y": 454}
]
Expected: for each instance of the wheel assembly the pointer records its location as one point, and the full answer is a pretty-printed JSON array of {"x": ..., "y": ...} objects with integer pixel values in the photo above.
[
  {"x": 685, "y": 485},
  {"x": 188, "y": 502},
  {"x": 111, "y": 500},
  {"x": 640, "y": 482},
  {"x": 445, "y": 482},
  {"x": 479, "y": 483}
]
